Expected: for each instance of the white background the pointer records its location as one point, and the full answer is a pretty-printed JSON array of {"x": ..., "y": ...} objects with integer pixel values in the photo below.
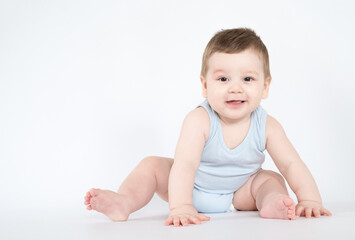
[{"x": 89, "y": 88}]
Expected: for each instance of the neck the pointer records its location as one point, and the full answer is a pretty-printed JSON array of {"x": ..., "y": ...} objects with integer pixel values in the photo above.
[{"x": 239, "y": 121}]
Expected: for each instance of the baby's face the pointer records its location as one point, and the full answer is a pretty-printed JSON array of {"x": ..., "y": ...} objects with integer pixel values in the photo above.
[{"x": 235, "y": 84}]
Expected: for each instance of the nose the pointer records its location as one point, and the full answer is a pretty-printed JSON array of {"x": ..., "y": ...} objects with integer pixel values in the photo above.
[{"x": 235, "y": 87}]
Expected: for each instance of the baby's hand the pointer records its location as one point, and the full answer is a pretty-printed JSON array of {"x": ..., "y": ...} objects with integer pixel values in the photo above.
[
  {"x": 311, "y": 208},
  {"x": 184, "y": 215}
]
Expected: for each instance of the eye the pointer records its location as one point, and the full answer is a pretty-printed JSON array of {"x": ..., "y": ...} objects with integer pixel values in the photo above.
[
  {"x": 248, "y": 79},
  {"x": 223, "y": 79}
]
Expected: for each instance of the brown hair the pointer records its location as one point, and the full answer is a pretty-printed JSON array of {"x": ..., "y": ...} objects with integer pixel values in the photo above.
[{"x": 234, "y": 41}]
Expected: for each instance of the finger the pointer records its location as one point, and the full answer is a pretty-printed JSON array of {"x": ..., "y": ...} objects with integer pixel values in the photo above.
[
  {"x": 324, "y": 211},
  {"x": 203, "y": 217},
  {"x": 184, "y": 221},
  {"x": 176, "y": 221},
  {"x": 316, "y": 213},
  {"x": 89, "y": 207},
  {"x": 308, "y": 212},
  {"x": 194, "y": 220},
  {"x": 169, "y": 221},
  {"x": 299, "y": 210}
]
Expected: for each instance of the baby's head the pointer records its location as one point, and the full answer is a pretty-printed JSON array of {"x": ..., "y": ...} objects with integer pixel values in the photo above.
[
  {"x": 235, "y": 73},
  {"x": 235, "y": 41}
]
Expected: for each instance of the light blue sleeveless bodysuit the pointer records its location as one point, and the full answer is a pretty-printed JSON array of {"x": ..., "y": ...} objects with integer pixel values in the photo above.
[{"x": 223, "y": 171}]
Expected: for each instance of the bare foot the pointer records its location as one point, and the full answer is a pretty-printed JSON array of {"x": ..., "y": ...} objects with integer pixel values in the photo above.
[
  {"x": 110, "y": 203},
  {"x": 278, "y": 206}
]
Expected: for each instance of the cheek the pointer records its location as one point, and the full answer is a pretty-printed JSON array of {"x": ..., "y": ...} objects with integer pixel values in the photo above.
[
  {"x": 215, "y": 92},
  {"x": 255, "y": 93},
  {"x": 258, "y": 90}
]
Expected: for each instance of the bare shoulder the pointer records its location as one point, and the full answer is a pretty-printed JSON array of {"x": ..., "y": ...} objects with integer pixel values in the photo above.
[
  {"x": 198, "y": 120},
  {"x": 274, "y": 129}
]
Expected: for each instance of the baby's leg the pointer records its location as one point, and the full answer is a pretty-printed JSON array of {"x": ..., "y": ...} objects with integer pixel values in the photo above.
[
  {"x": 265, "y": 191},
  {"x": 150, "y": 176}
]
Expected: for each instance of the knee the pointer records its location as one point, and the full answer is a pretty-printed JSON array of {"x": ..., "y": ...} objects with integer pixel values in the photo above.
[
  {"x": 155, "y": 163},
  {"x": 150, "y": 162},
  {"x": 267, "y": 175}
]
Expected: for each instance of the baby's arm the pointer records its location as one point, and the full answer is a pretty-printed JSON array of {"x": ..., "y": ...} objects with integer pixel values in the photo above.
[
  {"x": 294, "y": 170},
  {"x": 186, "y": 162}
]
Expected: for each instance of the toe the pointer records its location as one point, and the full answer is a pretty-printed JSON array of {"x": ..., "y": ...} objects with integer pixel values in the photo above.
[
  {"x": 93, "y": 203},
  {"x": 94, "y": 192},
  {"x": 291, "y": 214},
  {"x": 288, "y": 203},
  {"x": 88, "y": 195}
]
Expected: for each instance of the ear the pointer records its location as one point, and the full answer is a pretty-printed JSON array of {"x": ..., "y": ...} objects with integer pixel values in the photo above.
[
  {"x": 204, "y": 86},
  {"x": 266, "y": 87}
]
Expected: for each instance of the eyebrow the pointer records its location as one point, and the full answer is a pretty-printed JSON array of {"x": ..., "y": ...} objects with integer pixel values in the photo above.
[
  {"x": 247, "y": 72},
  {"x": 252, "y": 72},
  {"x": 217, "y": 71}
]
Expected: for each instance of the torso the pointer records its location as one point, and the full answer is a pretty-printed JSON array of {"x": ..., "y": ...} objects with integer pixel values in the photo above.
[
  {"x": 234, "y": 135},
  {"x": 232, "y": 153}
]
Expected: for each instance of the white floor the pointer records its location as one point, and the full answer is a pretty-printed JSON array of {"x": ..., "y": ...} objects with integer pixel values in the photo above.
[{"x": 148, "y": 223}]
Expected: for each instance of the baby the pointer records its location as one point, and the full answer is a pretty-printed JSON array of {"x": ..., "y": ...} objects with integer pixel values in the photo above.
[{"x": 219, "y": 154}]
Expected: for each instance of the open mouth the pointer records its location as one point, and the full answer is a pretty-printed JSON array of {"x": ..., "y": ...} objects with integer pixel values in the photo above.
[{"x": 235, "y": 101}]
